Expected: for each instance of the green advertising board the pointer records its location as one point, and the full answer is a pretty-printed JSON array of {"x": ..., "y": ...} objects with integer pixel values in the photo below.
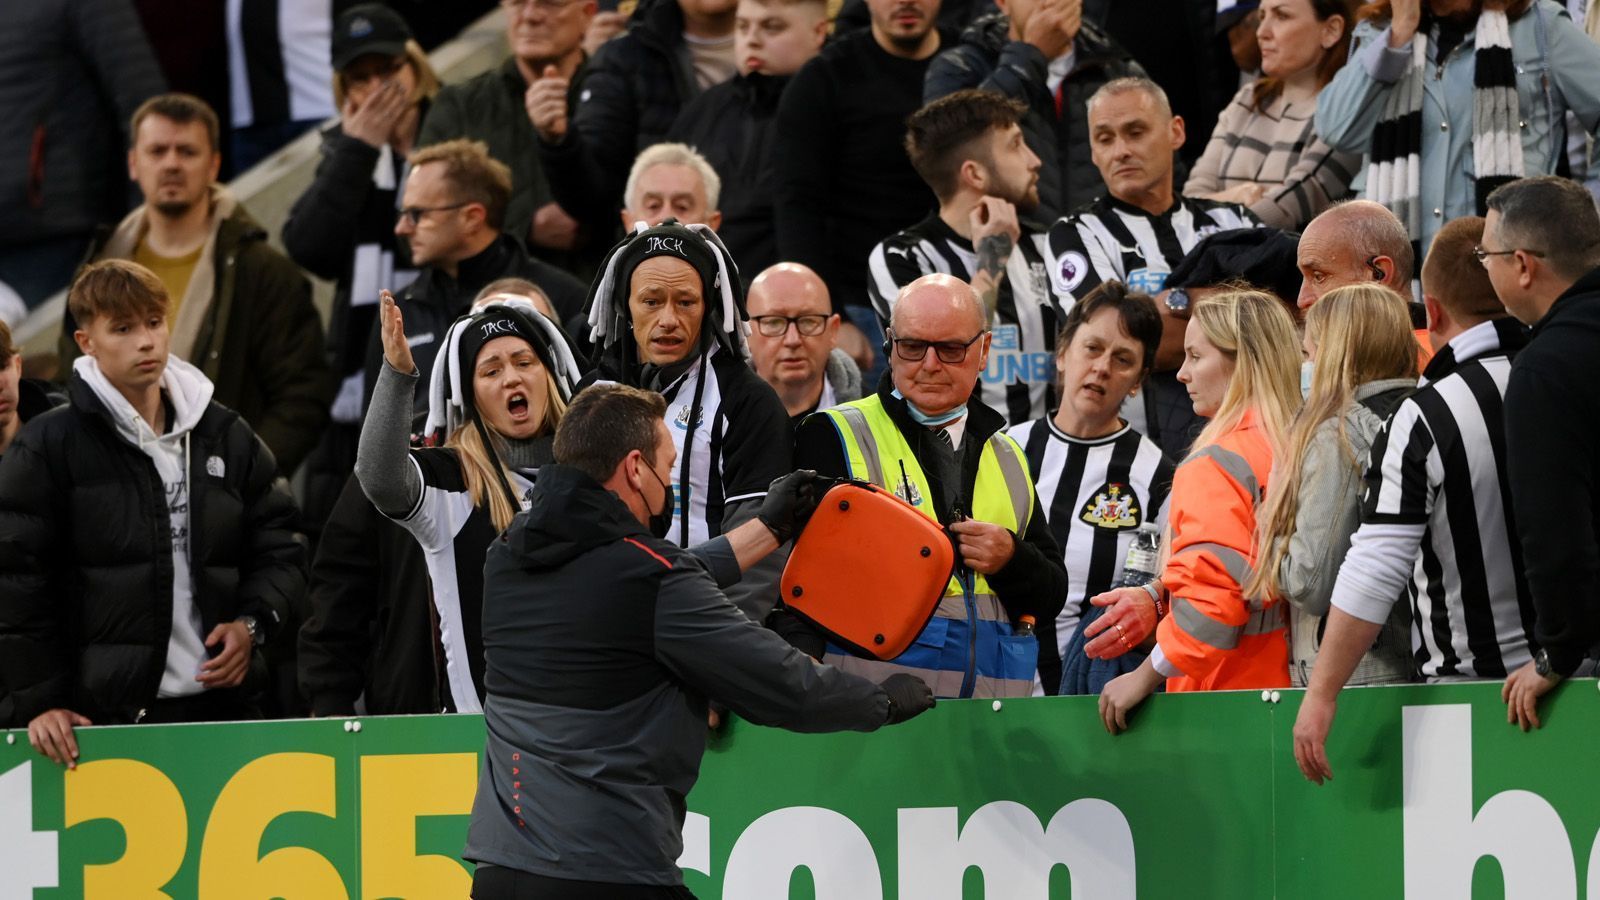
[{"x": 1434, "y": 795}]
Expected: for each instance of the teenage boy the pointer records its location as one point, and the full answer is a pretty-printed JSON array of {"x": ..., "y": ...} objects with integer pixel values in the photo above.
[{"x": 145, "y": 554}]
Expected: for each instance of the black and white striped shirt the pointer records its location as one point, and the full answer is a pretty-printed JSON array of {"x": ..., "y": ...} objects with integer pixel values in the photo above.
[
  {"x": 1019, "y": 380},
  {"x": 737, "y": 445},
  {"x": 1111, "y": 240},
  {"x": 1436, "y": 483},
  {"x": 455, "y": 534},
  {"x": 1095, "y": 494}
]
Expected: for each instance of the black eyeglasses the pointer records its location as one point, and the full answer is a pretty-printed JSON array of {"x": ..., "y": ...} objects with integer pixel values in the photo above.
[
  {"x": 949, "y": 352},
  {"x": 1482, "y": 255},
  {"x": 414, "y": 214},
  {"x": 778, "y": 326}
]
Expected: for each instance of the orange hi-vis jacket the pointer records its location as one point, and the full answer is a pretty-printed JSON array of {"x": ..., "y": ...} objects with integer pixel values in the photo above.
[{"x": 1214, "y": 635}]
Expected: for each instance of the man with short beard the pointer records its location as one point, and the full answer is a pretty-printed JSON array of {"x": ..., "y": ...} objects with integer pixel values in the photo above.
[
  {"x": 969, "y": 147},
  {"x": 1044, "y": 54},
  {"x": 241, "y": 311},
  {"x": 842, "y": 177}
]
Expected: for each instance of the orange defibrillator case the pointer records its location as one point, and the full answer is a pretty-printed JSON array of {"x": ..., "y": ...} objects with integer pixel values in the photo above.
[{"x": 868, "y": 569}]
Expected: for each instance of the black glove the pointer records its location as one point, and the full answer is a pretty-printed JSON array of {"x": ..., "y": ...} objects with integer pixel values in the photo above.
[
  {"x": 790, "y": 501},
  {"x": 909, "y": 696}
]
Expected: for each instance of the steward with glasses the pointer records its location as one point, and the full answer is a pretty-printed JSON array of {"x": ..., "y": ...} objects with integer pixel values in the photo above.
[{"x": 925, "y": 437}]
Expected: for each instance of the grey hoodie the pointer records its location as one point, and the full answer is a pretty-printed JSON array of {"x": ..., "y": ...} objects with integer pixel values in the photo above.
[{"x": 189, "y": 394}]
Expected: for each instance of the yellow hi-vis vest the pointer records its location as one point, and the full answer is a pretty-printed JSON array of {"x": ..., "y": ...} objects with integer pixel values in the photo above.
[{"x": 967, "y": 649}]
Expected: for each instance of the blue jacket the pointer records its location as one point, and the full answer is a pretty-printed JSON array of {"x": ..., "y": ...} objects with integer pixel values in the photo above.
[{"x": 1555, "y": 74}]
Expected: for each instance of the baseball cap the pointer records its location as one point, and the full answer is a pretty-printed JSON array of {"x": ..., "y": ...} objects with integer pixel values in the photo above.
[
  {"x": 1230, "y": 12},
  {"x": 368, "y": 28}
]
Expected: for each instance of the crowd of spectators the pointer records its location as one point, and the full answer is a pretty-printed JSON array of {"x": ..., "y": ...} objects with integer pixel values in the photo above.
[{"x": 1023, "y": 264}]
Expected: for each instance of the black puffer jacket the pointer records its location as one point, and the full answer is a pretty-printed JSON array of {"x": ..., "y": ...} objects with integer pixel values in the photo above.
[
  {"x": 35, "y": 398},
  {"x": 987, "y": 58},
  {"x": 634, "y": 88},
  {"x": 731, "y": 125},
  {"x": 86, "y": 557}
]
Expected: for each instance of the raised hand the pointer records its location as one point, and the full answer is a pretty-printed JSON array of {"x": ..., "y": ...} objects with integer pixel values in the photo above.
[{"x": 396, "y": 350}]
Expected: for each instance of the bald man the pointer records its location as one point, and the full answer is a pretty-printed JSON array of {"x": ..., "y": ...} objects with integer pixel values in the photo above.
[
  {"x": 1357, "y": 242},
  {"x": 918, "y": 437},
  {"x": 1354, "y": 243},
  {"x": 793, "y": 341}
]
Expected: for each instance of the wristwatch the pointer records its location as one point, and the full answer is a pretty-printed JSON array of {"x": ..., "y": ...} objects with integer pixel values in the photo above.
[
  {"x": 1541, "y": 665},
  {"x": 257, "y": 636},
  {"x": 1178, "y": 302}
]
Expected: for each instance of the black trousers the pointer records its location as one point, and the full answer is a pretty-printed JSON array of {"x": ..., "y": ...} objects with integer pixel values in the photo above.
[{"x": 501, "y": 883}]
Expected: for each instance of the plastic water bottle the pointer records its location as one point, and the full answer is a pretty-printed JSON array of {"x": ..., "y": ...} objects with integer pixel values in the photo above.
[{"x": 1144, "y": 555}]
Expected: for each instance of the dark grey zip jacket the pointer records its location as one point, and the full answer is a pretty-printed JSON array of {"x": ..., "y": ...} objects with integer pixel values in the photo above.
[{"x": 603, "y": 645}]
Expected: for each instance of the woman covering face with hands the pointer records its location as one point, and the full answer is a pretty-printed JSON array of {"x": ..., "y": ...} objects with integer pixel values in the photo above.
[
  {"x": 502, "y": 380},
  {"x": 1241, "y": 368},
  {"x": 342, "y": 227}
]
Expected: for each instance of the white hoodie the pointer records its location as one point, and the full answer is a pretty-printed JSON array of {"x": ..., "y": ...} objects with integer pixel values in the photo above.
[{"x": 189, "y": 392}]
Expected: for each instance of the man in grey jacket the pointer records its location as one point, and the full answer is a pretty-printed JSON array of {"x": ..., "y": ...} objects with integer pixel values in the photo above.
[{"x": 603, "y": 643}]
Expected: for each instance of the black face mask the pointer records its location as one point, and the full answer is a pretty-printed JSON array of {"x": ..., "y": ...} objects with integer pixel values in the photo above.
[{"x": 661, "y": 522}]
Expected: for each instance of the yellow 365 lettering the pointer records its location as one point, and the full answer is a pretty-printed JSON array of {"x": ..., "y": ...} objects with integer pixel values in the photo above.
[
  {"x": 395, "y": 790},
  {"x": 147, "y": 805},
  {"x": 230, "y": 864}
]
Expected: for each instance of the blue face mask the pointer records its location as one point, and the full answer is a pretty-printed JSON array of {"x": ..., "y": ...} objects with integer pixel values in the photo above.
[
  {"x": 922, "y": 418},
  {"x": 1305, "y": 379}
]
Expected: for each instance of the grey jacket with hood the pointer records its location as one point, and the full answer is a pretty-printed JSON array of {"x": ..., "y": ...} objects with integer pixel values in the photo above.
[
  {"x": 1327, "y": 517},
  {"x": 597, "y": 698}
]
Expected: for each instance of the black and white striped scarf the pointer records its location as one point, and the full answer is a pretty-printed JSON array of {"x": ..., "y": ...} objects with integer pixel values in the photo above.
[{"x": 1393, "y": 177}]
